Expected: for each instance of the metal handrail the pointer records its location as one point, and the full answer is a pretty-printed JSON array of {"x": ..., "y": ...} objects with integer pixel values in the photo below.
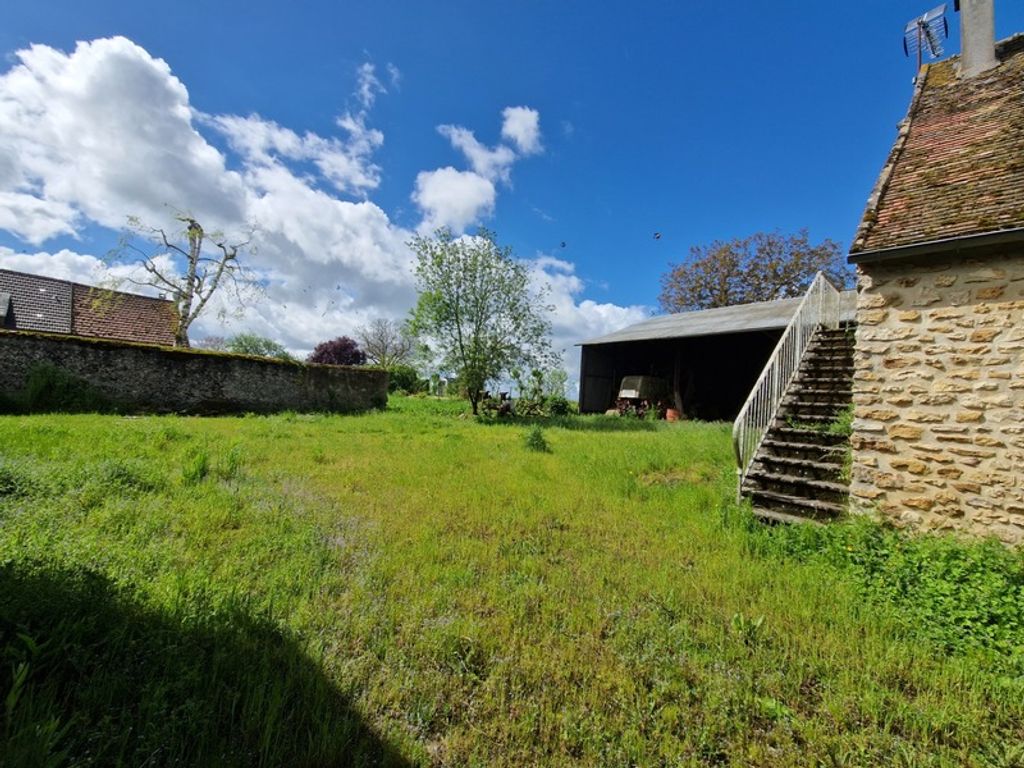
[{"x": 820, "y": 307}]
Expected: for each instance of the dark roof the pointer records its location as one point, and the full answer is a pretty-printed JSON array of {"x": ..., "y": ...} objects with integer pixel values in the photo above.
[
  {"x": 757, "y": 316},
  {"x": 37, "y": 303},
  {"x": 956, "y": 169},
  {"x": 49, "y": 305},
  {"x": 5, "y": 306}
]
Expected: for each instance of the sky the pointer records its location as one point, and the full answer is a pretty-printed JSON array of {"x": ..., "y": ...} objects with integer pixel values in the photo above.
[{"x": 573, "y": 130}]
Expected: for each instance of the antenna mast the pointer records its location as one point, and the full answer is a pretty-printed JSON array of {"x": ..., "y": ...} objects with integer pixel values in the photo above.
[{"x": 926, "y": 32}]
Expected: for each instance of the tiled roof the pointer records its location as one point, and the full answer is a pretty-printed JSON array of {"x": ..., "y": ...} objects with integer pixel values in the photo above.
[
  {"x": 957, "y": 167},
  {"x": 37, "y": 303},
  {"x": 119, "y": 315},
  {"x": 57, "y": 306}
]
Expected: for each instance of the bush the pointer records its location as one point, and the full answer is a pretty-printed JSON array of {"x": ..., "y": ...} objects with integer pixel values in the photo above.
[
  {"x": 339, "y": 351},
  {"x": 558, "y": 406},
  {"x": 257, "y": 346},
  {"x": 405, "y": 377},
  {"x": 536, "y": 441}
]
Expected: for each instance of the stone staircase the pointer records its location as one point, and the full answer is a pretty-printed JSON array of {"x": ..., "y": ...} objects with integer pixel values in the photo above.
[{"x": 797, "y": 473}]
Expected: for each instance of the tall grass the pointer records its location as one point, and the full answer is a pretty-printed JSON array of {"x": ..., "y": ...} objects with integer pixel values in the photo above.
[{"x": 418, "y": 587}]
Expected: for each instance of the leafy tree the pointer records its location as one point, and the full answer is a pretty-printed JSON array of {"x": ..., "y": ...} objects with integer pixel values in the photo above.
[
  {"x": 477, "y": 310},
  {"x": 257, "y": 346},
  {"x": 386, "y": 343},
  {"x": 339, "y": 351},
  {"x": 406, "y": 378},
  {"x": 201, "y": 275},
  {"x": 762, "y": 267}
]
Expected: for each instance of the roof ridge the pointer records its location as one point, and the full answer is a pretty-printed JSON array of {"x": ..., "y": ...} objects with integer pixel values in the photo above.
[{"x": 870, "y": 214}]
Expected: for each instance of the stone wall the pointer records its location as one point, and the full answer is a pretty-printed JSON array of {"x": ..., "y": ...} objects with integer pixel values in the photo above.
[
  {"x": 143, "y": 378},
  {"x": 938, "y": 435}
]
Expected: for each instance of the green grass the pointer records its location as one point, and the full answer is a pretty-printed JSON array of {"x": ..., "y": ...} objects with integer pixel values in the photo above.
[{"x": 417, "y": 587}]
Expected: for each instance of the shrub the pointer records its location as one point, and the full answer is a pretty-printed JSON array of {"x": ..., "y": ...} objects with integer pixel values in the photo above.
[
  {"x": 339, "y": 351},
  {"x": 257, "y": 346},
  {"x": 405, "y": 377},
  {"x": 558, "y": 406},
  {"x": 536, "y": 441}
]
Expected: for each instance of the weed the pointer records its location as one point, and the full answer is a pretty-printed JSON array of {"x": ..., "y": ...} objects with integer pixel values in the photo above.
[
  {"x": 536, "y": 441},
  {"x": 195, "y": 466}
]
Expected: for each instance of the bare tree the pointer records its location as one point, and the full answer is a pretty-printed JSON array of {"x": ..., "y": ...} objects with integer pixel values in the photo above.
[
  {"x": 201, "y": 276},
  {"x": 386, "y": 343},
  {"x": 762, "y": 267}
]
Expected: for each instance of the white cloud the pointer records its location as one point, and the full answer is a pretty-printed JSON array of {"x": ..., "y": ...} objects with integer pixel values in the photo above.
[
  {"x": 346, "y": 165},
  {"x": 92, "y": 136},
  {"x": 368, "y": 86},
  {"x": 493, "y": 164},
  {"x": 522, "y": 127},
  {"x": 100, "y": 133},
  {"x": 452, "y": 198},
  {"x": 573, "y": 320}
]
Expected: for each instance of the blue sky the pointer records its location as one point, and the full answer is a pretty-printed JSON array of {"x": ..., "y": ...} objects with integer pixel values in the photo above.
[{"x": 696, "y": 120}]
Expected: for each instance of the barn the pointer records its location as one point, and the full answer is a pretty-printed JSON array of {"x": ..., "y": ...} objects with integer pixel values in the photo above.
[{"x": 709, "y": 358}]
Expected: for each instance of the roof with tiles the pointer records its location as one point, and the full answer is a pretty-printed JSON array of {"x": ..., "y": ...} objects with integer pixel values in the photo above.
[
  {"x": 957, "y": 166},
  {"x": 37, "y": 303}
]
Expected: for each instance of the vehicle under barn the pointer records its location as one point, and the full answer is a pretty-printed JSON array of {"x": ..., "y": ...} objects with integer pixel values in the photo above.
[{"x": 710, "y": 358}]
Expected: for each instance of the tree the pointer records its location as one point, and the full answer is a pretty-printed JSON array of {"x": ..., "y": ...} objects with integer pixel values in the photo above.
[
  {"x": 339, "y": 351},
  {"x": 762, "y": 267},
  {"x": 257, "y": 346},
  {"x": 202, "y": 276},
  {"x": 386, "y": 343},
  {"x": 477, "y": 310}
]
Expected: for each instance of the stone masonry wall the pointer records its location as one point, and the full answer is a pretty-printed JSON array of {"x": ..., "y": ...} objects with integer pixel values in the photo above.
[
  {"x": 152, "y": 379},
  {"x": 938, "y": 434}
]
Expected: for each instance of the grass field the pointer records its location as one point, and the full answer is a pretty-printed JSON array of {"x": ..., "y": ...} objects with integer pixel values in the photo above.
[{"x": 415, "y": 587}]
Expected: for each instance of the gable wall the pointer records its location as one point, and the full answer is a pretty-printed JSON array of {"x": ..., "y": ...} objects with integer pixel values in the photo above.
[{"x": 938, "y": 435}]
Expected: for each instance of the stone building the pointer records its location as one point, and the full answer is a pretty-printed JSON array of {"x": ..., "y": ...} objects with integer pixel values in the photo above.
[
  {"x": 938, "y": 434},
  {"x": 47, "y": 305}
]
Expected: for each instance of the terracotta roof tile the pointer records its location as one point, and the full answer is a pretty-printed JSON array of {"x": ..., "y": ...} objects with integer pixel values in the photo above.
[{"x": 957, "y": 166}]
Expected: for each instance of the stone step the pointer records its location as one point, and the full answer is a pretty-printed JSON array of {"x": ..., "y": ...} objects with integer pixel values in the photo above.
[
  {"x": 774, "y": 516},
  {"x": 803, "y": 487},
  {"x": 832, "y": 406},
  {"x": 814, "y": 509},
  {"x": 798, "y": 435},
  {"x": 805, "y": 390},
  {"x": 822, "y": 470},
  {"x": 786, "y": 449}
]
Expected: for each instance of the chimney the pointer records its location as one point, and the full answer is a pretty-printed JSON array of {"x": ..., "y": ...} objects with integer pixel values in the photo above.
[{"x": 977, "y": 37}]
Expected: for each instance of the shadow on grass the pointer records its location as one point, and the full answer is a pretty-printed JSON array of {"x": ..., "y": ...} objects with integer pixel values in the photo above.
[{"x": 92, "y": 677}]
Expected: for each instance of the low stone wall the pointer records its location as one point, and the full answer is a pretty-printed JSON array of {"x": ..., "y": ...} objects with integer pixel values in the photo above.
[
  {"x": 152, "y": 379},
  {"x": 938, "y": 435}
]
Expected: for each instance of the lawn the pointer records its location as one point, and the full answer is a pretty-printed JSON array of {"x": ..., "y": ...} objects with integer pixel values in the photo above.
[{"x": 416, "y": 587}]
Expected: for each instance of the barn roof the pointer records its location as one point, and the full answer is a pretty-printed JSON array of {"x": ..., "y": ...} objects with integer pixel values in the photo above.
[
  {"x": 759, "y": 316},
  {"x": 956, "y": 169}
]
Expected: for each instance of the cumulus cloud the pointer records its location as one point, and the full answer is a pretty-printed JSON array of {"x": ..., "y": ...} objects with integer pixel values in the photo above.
[
  {"x": 574, "y": 320},
  {"x": 452, "y": 198},
  {"x": 100, "y": 133},
  {"x": 456, "y": 199},
  {"x": 522, "y": 127},
  {"x": 492, "y": 164},
  {"x": 105, "y": 131}
]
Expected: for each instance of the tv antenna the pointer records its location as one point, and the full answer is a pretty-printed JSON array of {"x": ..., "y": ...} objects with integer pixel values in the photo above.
[{"x": 926, "y": 33}]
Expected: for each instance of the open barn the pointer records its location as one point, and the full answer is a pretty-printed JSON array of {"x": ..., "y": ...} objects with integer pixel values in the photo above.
[{"x": 709, "y": 358}]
